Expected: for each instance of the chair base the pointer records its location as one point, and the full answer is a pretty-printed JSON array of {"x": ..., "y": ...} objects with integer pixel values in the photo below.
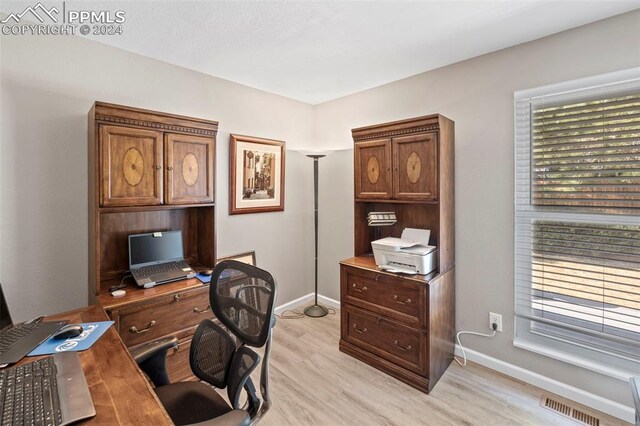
[{"x": 316, "y": 311}]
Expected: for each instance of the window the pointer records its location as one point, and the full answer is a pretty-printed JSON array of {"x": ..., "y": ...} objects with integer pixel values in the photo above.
[{"x": 577, "y": 230}]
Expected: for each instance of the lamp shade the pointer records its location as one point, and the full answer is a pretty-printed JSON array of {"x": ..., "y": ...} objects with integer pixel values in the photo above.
[{"x": 315, "y": 154}]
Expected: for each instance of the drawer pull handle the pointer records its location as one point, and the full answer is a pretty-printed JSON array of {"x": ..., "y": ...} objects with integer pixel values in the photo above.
[
  {"x": 361, "y": 331},
  {"x": 359, "y": 290},
  {"x": 135, "y": 330},
  {"x": 202, "y": 311},
  {"x": 406, "y": 302},
  {"x": 377, "y": 277},
  {"x": 402, "y": 348},
  {"x": 176, "y": 297},
  {"x": 176, "y": 349}
]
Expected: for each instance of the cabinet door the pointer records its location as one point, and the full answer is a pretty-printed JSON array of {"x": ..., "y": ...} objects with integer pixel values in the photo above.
[
  {"x": 190, "y": 163},
  {"x": 373, "y": 169},
  {"x": 415, "y": 167},
  {"x": 131, "y": 169}
]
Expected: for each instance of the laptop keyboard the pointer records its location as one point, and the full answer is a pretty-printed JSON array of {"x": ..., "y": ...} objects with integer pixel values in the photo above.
[
  {"x": 29, "y": 394},
  {"x": 10, "y": 337},
  {"x": 147, "y": 271}
]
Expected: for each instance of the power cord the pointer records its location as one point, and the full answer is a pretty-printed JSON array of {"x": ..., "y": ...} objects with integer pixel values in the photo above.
[
  {"x": 494, "y": 326},
  {"x": 291, "y": 314},
  {"x": 121, "y": 285}
]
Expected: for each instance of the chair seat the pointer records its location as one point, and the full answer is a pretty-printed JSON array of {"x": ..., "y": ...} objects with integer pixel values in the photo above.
[{"x": 191, "y": 402}]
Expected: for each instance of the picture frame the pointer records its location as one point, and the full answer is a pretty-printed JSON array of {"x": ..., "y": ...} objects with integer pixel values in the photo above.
[
  {"x": 247, "y": 257},
  {"x": 257, "y": 170}
]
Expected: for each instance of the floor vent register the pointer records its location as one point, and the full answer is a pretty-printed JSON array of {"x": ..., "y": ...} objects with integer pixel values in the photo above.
[{"x": 570, "y": 412}]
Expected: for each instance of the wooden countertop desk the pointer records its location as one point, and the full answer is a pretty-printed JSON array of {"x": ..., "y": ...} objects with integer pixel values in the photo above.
[{"x": 120, "y": 391}]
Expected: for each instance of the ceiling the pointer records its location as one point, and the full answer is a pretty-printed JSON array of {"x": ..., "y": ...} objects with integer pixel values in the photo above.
[{"x": 315, "y": 51}]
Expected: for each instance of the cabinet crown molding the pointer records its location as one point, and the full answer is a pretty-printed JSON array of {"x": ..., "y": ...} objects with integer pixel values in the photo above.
[
  {"x": 398, "y": 128},
  {"x": 120, "y": 114}
]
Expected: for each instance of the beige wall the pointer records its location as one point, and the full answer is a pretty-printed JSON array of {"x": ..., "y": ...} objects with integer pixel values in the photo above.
[
  {"x": 48, "y": 85},
  {"x": 478, "y": 95}
]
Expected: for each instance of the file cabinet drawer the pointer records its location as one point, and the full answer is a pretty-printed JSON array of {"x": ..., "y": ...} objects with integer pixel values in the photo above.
[
  {"x": 399, "y": 299},
  {"x": 385, "y": 338},
  {"x": 166, "y": 315}
]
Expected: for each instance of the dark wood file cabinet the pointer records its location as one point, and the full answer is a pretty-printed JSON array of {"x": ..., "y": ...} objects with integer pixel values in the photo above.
[{"x": 401, "y": 324}]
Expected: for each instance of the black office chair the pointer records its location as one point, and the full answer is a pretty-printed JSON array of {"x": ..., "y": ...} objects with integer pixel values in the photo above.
[{"x": 242, "y": 297}]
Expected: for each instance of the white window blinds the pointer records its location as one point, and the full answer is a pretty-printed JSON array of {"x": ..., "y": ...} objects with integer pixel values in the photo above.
[
  {"x": 587, "y": 152},
  {"x": 577, "y": 231}
]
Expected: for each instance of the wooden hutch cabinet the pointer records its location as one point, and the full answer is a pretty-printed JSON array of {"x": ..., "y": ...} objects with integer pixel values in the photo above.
[
  {"x": 399, "y": 168},
  {"x": 151, "y": 171},
  {"x": 402, "y": 324}
]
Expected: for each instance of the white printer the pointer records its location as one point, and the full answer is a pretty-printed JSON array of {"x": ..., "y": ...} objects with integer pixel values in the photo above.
[{"x": 409, "y": 254}]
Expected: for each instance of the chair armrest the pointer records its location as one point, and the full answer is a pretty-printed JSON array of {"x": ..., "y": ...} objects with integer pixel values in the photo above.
[
  {"x": 232, "y": 418},
  {"x": 147, "y": 350},
  {"x": 152, "y": 358}
]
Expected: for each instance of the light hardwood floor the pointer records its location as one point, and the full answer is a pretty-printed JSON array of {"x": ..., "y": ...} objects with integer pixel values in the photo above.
[{"x": 313, "y": 383}]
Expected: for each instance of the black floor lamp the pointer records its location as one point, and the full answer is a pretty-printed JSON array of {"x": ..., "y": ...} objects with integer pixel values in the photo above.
[{"x": 316, "y": 310}]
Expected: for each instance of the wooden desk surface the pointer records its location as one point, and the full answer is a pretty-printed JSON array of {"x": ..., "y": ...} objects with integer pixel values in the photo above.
[
  {"x": 120, "y": 391},
  {"x": 137, "y": 294}
]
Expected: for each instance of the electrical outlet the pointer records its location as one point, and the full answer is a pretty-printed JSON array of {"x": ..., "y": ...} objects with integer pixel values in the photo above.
[{"x": 497, "y": 319}]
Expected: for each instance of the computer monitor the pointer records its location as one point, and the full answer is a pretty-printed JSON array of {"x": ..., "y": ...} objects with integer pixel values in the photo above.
[{"x": 155, "y": 248}]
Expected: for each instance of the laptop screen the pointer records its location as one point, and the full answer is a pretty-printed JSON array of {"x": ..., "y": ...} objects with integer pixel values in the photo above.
[
  {"x": 155, "y": 248},
  {"x": 5, "y": 317}
]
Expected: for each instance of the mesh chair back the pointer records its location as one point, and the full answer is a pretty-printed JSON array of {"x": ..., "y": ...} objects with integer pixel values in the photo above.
[
  {"x": 243, "y": 297},
  {"x": 211, "y": 353}
]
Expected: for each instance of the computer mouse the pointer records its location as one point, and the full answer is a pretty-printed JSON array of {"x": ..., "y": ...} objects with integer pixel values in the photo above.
[
  {"x": 70, "y": 330},
  {"x": 207, "y": 272}
]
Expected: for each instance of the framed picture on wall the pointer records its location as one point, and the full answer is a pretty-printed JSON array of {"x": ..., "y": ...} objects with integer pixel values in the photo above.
[
  {"x": 256, "y": 182},
  {"x": 248, "y": 257}
]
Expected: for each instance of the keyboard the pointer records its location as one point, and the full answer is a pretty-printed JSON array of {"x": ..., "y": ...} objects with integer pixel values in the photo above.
[
  {"x": 21, "y": 339},
  {"x": 39, "y": 392},
  {"x": 148, "y": 276},
  {"x": 162, "y": 268},
  {"x": 14, "y": 334}
]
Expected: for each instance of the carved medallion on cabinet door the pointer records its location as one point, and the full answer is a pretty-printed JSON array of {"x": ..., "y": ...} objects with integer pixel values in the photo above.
[
  {"x": 415, "y": 167},
  {"x": 131, "y": 171},
  {"x": 373, "y": 169},
  {"x": 189, "y": 174}
]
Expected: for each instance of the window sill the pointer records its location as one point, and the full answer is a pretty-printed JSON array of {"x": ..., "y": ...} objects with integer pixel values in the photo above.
[{"x": 622, "y": 374}]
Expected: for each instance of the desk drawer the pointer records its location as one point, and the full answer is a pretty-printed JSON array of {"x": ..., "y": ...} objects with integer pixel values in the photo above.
[
  {"x": 386, "y": 338},
  {"x": 162, "y": 316},
  {"x": 394, "y": 297},
  {"x": 178, "y": 362}
]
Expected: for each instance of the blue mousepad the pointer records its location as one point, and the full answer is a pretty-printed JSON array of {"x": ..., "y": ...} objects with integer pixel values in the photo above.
[
  {"x": 91, "y": 332},
  {"x": 204, "y": 278}
]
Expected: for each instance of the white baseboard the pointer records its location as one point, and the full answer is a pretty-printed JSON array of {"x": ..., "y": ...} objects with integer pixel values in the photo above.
[
  {"x": 335, "y": 304},
  {"x": 305, "y": 300},
  {"x": 550, "y": 385}
]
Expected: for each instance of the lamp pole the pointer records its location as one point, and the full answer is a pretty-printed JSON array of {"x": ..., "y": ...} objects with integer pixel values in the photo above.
[{"x": 316, "y": 310}]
